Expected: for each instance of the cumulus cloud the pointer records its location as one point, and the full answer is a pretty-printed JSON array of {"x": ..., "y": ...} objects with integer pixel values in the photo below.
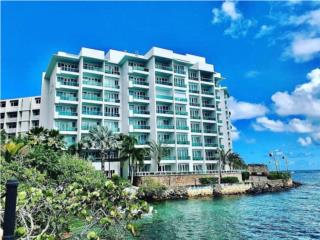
[
  {"x": 245, "y": 110},
  {"x": 235, "y": 134},
  {"x": 304, "y": 100},
  {"x": 304, "y": 141},
  {"x": 228, "y": 13},
  {"x": 303, "y": 49}
]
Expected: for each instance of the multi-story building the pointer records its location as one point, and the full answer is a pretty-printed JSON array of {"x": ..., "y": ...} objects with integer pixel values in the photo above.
[
  {"x": 19, "y": 115},
  {"x": 171, "y": 98}
]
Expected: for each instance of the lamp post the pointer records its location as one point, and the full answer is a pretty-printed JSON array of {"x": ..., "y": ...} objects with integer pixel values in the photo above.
[
  {"x": 272, "y": 155},
  {"x": 286, "y": 161}
]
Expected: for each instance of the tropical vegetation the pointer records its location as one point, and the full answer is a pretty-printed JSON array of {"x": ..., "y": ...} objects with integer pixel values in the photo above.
[{"x": 58, "y": 191}]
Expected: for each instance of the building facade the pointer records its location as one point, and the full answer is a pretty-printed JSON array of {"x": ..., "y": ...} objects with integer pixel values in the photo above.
[
  {"x": 170, "y": 98},
  {"x": 19, "y": 115}
]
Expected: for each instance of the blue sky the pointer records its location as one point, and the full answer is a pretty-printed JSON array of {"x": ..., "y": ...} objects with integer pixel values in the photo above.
[{"x": 269, "y": 53}]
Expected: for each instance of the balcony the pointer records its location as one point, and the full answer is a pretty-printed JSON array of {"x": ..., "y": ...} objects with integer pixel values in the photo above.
[
  {"x": 141, "y": 127},
  {"x": 182, "y": 85},
  {"x": 207, "y": 92},
  {"x": 139, "y": 68},
  {"x": 92, "y": 67},
  {"x": 219, "y": 109},
  {"x": 194, "y": 91},
  {"x": 197, "y": 144},
  {"x": 92, "y": 113},
  {"x": 219, "y": 121},
  {"x": 69, "y": 83},
  {"x": 179, "y": 71},
  {"x": 113, "y": 100},
  {"x": 112, "y": 86},
  {"x": 211, "y": 144},
  {"x": 208, "y": 105},
  {"x": 183, "y": 157},
  {"x": 210, "y": 131},
  {"x": 92, "y": 83},
  {"x": 181, "y": 99},
  {"x": 194, "y": 104},
  {"x": 67, "y": 128},
  {"x": 67, "y": 113},
  {"x": 181, "y": 112},
  {"x": 168, "y": 158},
  {"x": 206, "y": 79},
  {"x": 112, "y": 71},
  {"x": 209, "y": 118},
  {"x": 143, "y": 83},
  {"x": 92, "y": 98},
  {"x": 140, "y": 97},
  {"x": 163, "y": 67},
  {"x": 167, "y": 83},
  {"x": 183, "y": 142},
  {"x": 166, "y": 141},
  {"x": 68, "y": 98},
  {"x": 182, "y": 127},
  {"x": 69, "y": 69},
  {"x": 141, "y": 112},
  {"x": 88, "y": 127},
  {"x": 197, "y": 158},
  {"x": 109, "y": 114},
  {"x": 165, "y": 126},
  {"x": 165, "y": 97},
  {"x": 196, "y": 130},
  {"x": 165, "y": 111},
  {"x": 195, "y": 117}
]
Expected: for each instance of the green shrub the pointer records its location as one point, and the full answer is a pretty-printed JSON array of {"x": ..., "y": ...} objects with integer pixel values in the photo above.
[
  {"x": 279, "y": 175},
  {"x": 151, "y": 189},
  {"x": 208, "y": 180},
  {"x": 229, "y": 180},
  {"x": 245, "y": 176},
  {"x": 119, "y": 181}
]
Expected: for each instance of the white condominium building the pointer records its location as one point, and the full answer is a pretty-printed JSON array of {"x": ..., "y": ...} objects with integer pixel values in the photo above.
[
  {"x": 171, "y": 98},
  {"x": 19, "y": 115}
]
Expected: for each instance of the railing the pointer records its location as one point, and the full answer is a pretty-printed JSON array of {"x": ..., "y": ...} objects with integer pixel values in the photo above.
[
  {"x": 183, "y": 142},
  {"x": 111, "y": 114},
  {"x": 68, "y": 83},
  {"x": 193, "y": 91},
  {"x": 165, "y": 173},
  {"x": 67, "y": 113},
  {"x": 182, "y": 127},
  {"x": 180, "y": 85},
  {"x": 195, "y": 117},
  {"x": 140, "y": 97},
  {"x": 92, "y": 97},
  {"x": 140, "y": 68},
  {"x": 92, "y": 67},
  {"x": 112, "y": 72},
  {"x": 209, "y": 118},
  {"x": 112, "y": 100},
  {"x": 165, "y": 126},
  {"x": 168, "y": 158},
  {"x": 179, "y": 71},
  {"x": 111, "y": 86},
  {"x": 219, "y": 121},
  {"x": 163, "y": 67},
  {"x": 210, "y": 131},
  {"x": 88, "y": 127},
  {"x": 219, "y": 109},
  {"x": 207, "y": 93},
  {"x": 92, "y": 83},
  {"x": 197, "y": 158},
  {"x": 141, "y": 112},
  {"x": 67, "y": 128},
  {"x": 181, "y": 99},
  {"x": 211, "y": 144},
  {"x": 165, "y": 111},
  {"x": 195, "y": 104},
  {"x": 196, "y": 130},
  {"x": 141, "y": 127},
  {"x": 197, "y": 144},
  {"x": 166, "y": 141},
  {"x": 193, "y": 78},
  {"x": 205, "y": 79},
  {"x": 144, "y": 83},
  {"x": 97, "y": 113},
  {"x": 69, "y": 69},
  {"x": 165, "y": 97},
  {"x": 164, "y": 83},
  {"x": 183, "y": 157},
  {"x": 208, "y": 105},
  {"x": 68, "y": 98}
]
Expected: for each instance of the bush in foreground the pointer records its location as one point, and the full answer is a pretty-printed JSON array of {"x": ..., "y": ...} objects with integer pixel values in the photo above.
[
  {"x": 229, "y": 180},
  {"x": 279, "y": 175},
  {"x": 208, "y": 180},
  {"x": 151, "y": 189}
]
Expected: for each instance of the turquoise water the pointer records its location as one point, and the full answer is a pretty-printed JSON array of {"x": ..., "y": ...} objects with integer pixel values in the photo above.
[{"x": 287, "y": 215}]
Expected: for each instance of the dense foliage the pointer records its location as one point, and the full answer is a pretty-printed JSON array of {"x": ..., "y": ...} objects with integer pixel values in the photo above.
[
  {"x": 229, "y": 180},
  {"x": 56, "y": 189},
  {"x": 150, "y": 189},
  {"x": 245, "y": 176},
  {"x": 279, "y": 175},
  {"x": 208, "y": 180}
]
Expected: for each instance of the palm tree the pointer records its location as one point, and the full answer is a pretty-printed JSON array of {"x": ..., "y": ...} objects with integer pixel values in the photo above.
[
  {"x": 223, "y": 160},
  {"x": 236, "y": 161},
  {"x": 157, "y": 151},
  {"x": 12, "y": 149},
  {"x": 128, "y": 150},
  {"x": 102, "y": 140},
  {"x": 50, "y": 138},
  {"x": 76, "y": 148}
]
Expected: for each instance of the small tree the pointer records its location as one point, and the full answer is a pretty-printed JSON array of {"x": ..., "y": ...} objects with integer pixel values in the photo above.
[
  {"x": 236, "y": 161},
  {"x": 158, "y": 151},
  {"x": 223, "y": 159},
  {"x": 102, "y": 140},
  {"x": 128, "y": 150}
]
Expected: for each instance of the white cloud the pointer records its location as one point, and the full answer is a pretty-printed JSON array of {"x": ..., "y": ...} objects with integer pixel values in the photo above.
[
  {"x": 294, "y": 125},
  {"x": 228, "y": 13},
  {"x": 304, "y": 100},
  {"x": 304, "y": 141},
  {"x": 252, "y": 74},
  {"x": 264, "y": 30},
  {"x": 235, "y": 134},
  {"x": 245, "y": 110},
  {"x": 304, "y": 49},
  {"x": 311, "y": 18}
]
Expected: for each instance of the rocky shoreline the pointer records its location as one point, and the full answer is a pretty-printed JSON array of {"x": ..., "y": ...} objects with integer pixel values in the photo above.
[{"x": 253, "y": 188}]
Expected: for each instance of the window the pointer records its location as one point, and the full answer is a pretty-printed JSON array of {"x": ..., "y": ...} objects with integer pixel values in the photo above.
[
  {"x": 35, "y": 123},
  {"x": 14, "y": 103},
  {"x": 36, "y": 112},
  {"x": 2, "y": 115},
  {"x": 38, "y": 100},
  {"x": 3, "y": 104},
  {"x": 1, "y": 125},
  {"x": 12, "y": 114},
  {"x": 12, "y": 125}
]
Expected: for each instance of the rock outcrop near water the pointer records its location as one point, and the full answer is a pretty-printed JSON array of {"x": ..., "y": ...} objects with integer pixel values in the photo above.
[{"x": 272, "y": 186}]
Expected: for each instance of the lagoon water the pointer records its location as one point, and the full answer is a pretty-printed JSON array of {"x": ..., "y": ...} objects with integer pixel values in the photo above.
[{"x": 287, "y": 215}]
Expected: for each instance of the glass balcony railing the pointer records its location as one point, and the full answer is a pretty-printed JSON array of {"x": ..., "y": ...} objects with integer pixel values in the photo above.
[
  {"x": 183, "y": 157},
  {"x": 112, "y": 100},
  {"x": 205, "y": 79},
  {"x": 210, "y": 131},
  {"x": 207, "y": 92},
  {"x": 144, "y": 83},
  {"x": 140, "y": 97},
  {"x": 165, "y": 111},
  {"x": 141, "y": 112},
  {"x": 197, "y": 158},
  {"x": 94, "y": 113},
  {"x": 68, "y": 98},
  {"x": 183, "y": 142},
  {"x": 88, "y": 127},
  {"x": 113, "y": 86},
  {"x": 164, "y": 83},
  {"x": 195, "y": 130},
  {"x": 218, "y": 97},
  {"x": 168, "y": 158},
  {"x": 219, "y": 109},
  {"x": 195, "y": 117},
  {"x": 166, "y": 141},
  {"x": 67, "y": 128},
  {"x": 92, "y": 97},
  {"x": 211, "y": 144},
  {"x": 92, "y": 83},
  {"x": 182, "y": 127},
  {"x": 209, "y": 118},
  {"x": 69, "y": 69},
  {"x": 140, "y": 68},
  {"x": 92, "y": 67},
  {"x": 219, "y": 121},
  {"x": 194, "y": 104},
  {"x": 163, "y": 67},
  {"x": 181, "y": 112},
  {"x": 212, "y": 157},
  {"x": 109, "y": 114},
  {"x": 165, "y": 97},
  {"x": 69, "y": 83},
  {"x": 112, "y": 71},
  {"x": 67, "y": 113},
  {"x": 194, "y": 91},
  {"x": 208, "y": 105},
  {"x": 197, "y": 144},
  {"x": 179, "y": 71},
  {"x": 181, "y": 99},
  {"x": 141, "y": 127},
  {"x": 165, "y": 126}
]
